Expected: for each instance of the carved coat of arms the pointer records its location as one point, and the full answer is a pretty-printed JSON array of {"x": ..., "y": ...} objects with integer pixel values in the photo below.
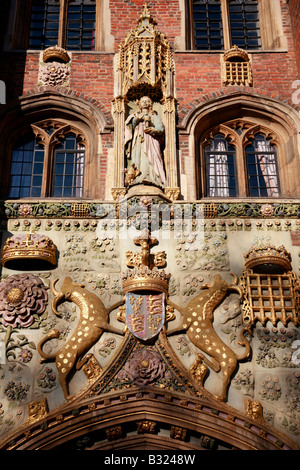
[
  {"x": 145, "y": 314},
  {"x": 145, "y": 288}
]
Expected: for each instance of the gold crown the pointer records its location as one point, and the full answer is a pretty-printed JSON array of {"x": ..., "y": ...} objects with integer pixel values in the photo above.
[
  {"x": 144, "y": 278},
  {"x": 235, "y": 51},
  {"x": 56, "y": 53},
  {"x": 260, "y": 258},
  {"x": 145, "y": 274},
  {"x": 28, "y": 247}
]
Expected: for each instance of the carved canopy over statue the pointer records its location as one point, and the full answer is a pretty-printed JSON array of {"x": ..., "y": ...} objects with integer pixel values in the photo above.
[
  {"x": 145, "y": 149},
  {"x": 144, "y": 133}
]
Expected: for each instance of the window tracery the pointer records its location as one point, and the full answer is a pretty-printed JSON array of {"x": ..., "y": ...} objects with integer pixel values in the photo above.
[
  {"x": 238, "y": 155},
  {"x": 48, "y": 161}
]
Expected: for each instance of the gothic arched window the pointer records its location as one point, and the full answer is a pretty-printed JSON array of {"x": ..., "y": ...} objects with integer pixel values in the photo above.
[
  {"x": 48, "y": 162},
  {"x": 239, "y": 158}
]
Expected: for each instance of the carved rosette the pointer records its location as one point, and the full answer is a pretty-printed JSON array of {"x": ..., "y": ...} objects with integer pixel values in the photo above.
[
  {"x": 54, "y": 67},
  {"x": 21, "y": 297},
  {"x": 54, "y": 74},
  {"x": 144, "y": 367}
]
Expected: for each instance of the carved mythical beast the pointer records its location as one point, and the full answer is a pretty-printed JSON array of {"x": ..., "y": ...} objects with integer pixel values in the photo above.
[
  {"x": 92, "y": 322},
  {"x": 197, "y": 323}
]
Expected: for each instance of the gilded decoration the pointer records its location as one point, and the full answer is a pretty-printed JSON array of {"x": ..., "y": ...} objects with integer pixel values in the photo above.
[
  {"x": 56, "y": 53},
  {"x": 92, "y": 322},
  {"x": 171, "y": 367},
  {"x": 29, "y": 247},
  {"x": 145, "y": 288},
  {"x": 197, "y": 321},
  {"x": 145, "y": 56},
  {"x": 37, "y": 410},
  {"x": 270, "y": 288}
]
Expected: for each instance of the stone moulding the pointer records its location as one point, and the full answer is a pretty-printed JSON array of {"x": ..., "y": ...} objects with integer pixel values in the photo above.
[{"x": 101, "y": 209}]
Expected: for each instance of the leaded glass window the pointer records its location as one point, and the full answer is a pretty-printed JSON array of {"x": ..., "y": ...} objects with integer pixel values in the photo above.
[
  {"x": 220, "y": 168},
  {"x": 44, "y": 24},
  {"x": 68, "y": 168},
  {"x": 240, "y": 158},
  {"x": 208, "y": 32},
  {"x": 244, "y": 24},
  {"x": 50, "y": 163},
  {"x": 72, "y": 28},
  {"x": 81, "y": 20},
  {"x": 27, "y": 166},
  {"x": 261, "y": 157},
  {"x": 221, "y": 24}
]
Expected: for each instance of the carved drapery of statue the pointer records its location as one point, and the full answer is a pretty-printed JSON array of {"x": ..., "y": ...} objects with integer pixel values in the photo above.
[
  {"x": 144, "y": 133},
  {"x": 145, "y": 68}
]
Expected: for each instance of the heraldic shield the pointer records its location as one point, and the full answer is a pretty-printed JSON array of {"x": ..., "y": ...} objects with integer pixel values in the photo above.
[{"x": 145, "y": 314}]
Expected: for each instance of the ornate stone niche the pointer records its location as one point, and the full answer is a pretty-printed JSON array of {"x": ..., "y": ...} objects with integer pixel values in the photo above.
[
  {"x": 270, "y": 288},
  {"x": 236, "y": 67},
  {"x": 145, "y": 67}
]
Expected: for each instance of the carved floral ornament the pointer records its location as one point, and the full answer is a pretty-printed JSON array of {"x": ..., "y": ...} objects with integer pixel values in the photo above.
[
  {"x": 55, "y": 67},
  {"x": 21, "y": 297},
  {"x": 143, "y": 367}
]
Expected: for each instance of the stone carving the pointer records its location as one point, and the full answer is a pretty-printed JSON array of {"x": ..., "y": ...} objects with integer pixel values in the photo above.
[
  {"x": 92, "y": 322},
  {"x": 144, "y": 367},
  {"x": 21, "y": 297},
  {"x": 198, "y": 323},
  {"x": 254, "y": 410},
  {"x": 54, "y": 74},
  {"x": 143, "y": 132},
  {"x": 37, "y": 410},
  {"x": 146, "y": 427},
  {"x": 236, "y": 67}
]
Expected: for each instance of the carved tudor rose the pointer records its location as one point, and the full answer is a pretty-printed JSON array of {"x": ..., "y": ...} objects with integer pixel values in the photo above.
[{"x": 21, "y": 297}]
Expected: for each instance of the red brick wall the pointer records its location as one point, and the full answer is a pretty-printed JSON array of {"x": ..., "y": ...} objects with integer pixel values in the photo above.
[{"x": 294, "y": 6}]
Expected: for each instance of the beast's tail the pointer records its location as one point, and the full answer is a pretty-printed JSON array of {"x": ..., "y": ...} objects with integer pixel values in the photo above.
[
  {"x": 47, "y": 357},
  {"x": 245, "y": 342}
]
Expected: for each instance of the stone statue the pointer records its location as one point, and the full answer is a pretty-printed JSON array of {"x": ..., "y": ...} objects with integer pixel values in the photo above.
[{"x": 143, "y": 134}]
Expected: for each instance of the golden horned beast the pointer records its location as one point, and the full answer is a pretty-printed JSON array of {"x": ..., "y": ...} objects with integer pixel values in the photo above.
[
  {"x": 92, "y": 322},
  {"x": 197, "y": 323}
]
